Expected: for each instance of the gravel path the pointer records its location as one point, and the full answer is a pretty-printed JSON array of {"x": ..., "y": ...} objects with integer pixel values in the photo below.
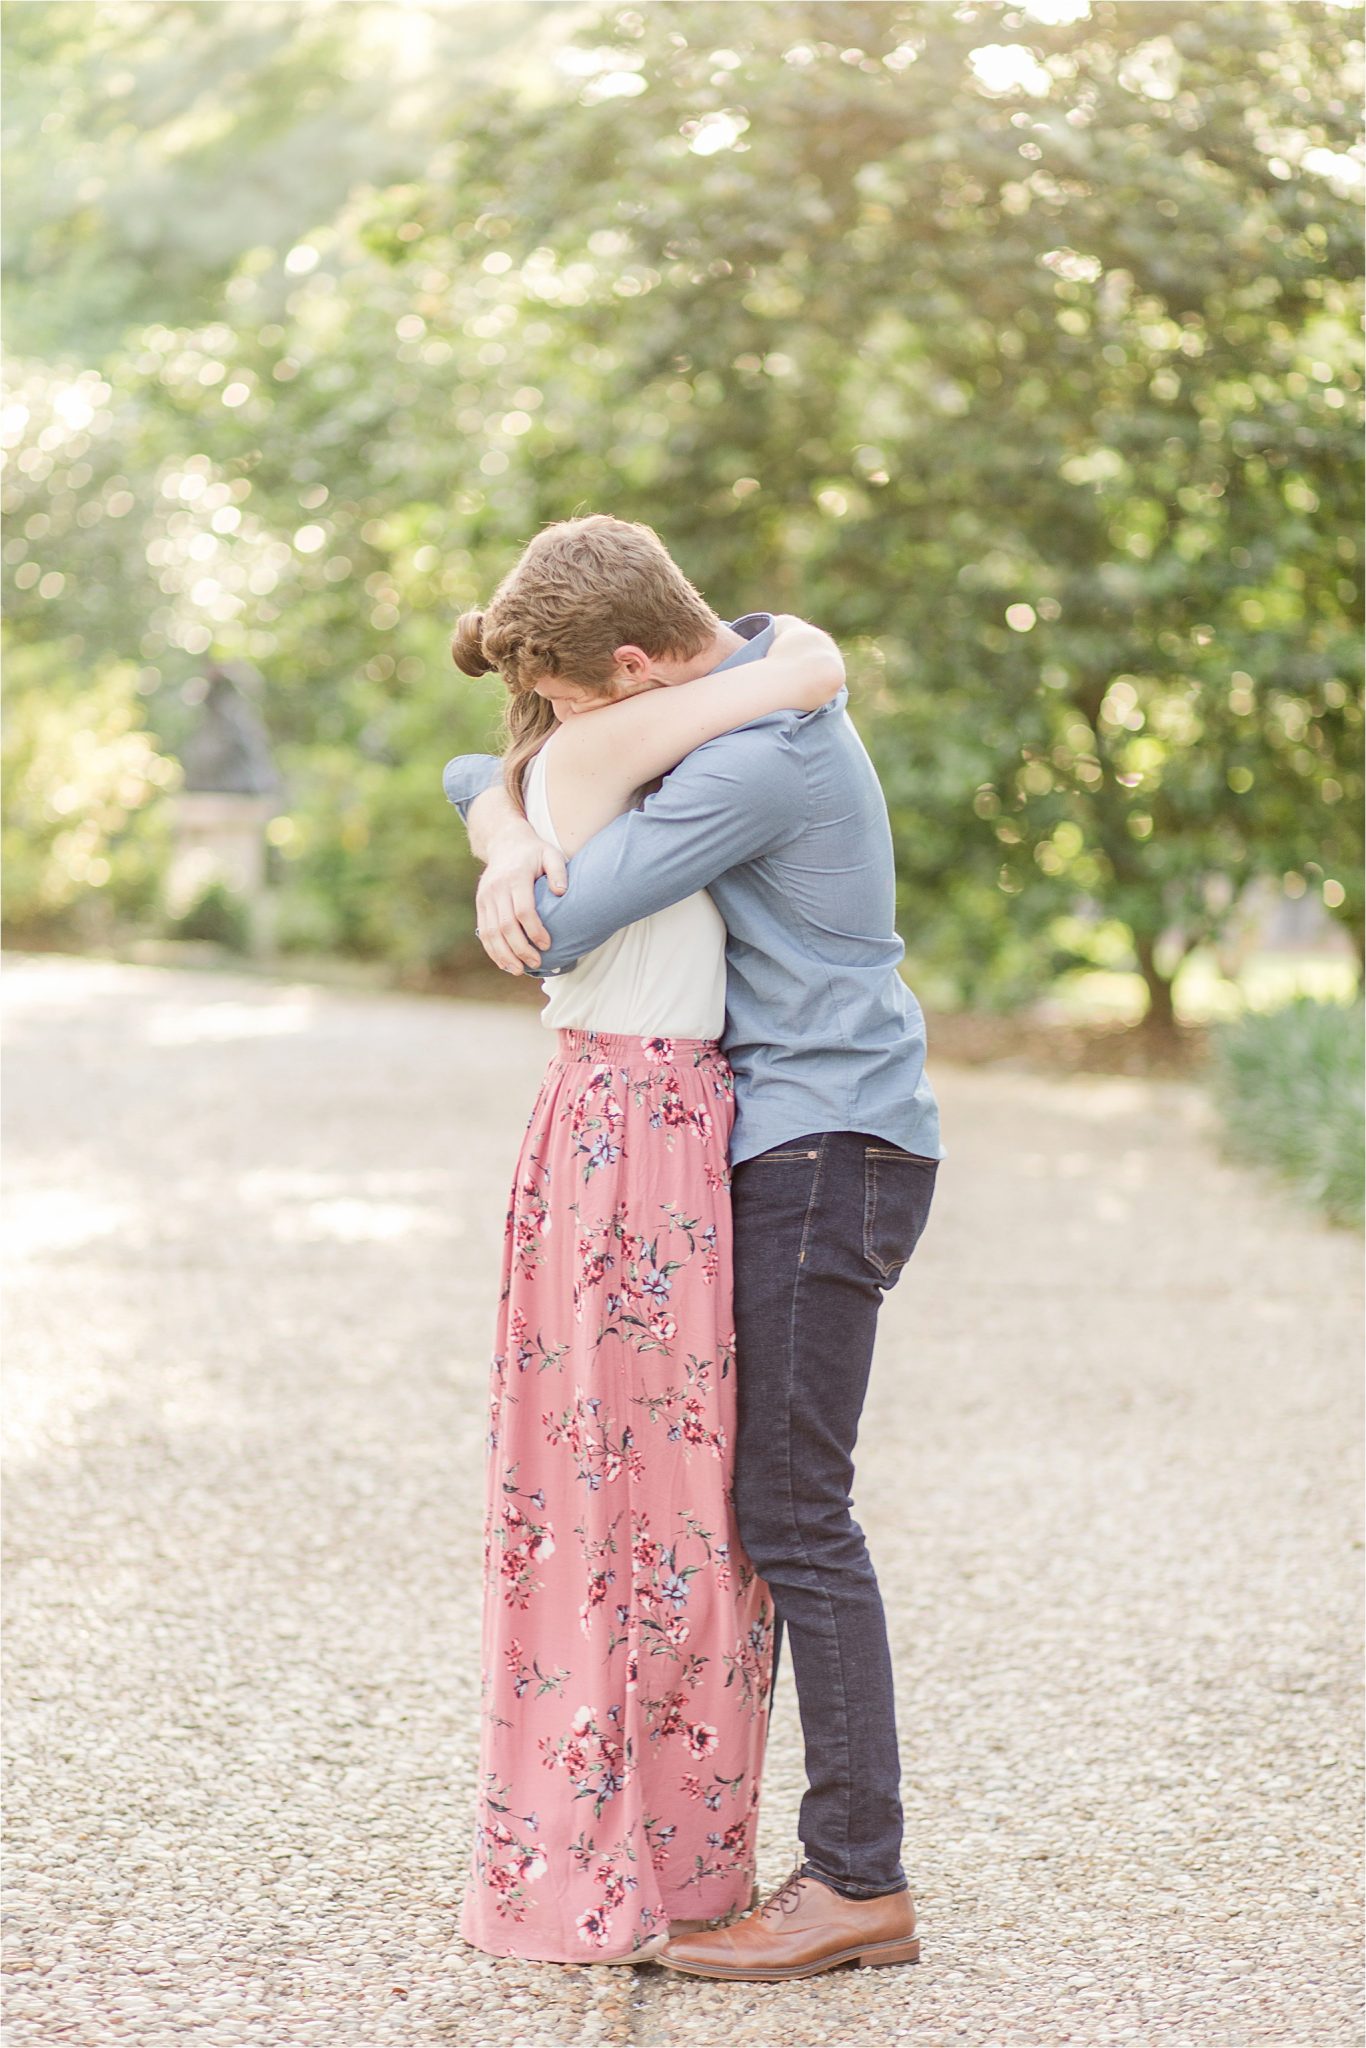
[{"x": 1109, "y": 1476}]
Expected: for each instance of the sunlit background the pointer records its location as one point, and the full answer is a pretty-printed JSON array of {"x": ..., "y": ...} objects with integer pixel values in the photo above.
[{"x": 1017, "y": 344}]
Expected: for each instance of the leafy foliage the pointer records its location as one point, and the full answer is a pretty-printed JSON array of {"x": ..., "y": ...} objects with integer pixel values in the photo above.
[
  {"x": 1290, "y": 1084},
  {"x": 84, "y": 840},
  {"x": 1021, "y": 355},
  {"x": 218, "y": 915}
]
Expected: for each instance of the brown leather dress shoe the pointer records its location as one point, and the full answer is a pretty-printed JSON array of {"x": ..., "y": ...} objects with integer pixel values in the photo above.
[{"x": 803, "y": 1929}]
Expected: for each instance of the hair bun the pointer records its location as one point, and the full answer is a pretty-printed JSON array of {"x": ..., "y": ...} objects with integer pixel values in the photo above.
[{"x": 467, "y": 645}]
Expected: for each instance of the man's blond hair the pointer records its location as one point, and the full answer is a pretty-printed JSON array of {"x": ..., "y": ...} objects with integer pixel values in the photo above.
[{"x": 582, "y": 588}]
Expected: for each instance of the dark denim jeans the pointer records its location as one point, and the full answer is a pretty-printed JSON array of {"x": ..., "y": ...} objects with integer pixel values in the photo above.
[{"x": 823, "y": 1226}]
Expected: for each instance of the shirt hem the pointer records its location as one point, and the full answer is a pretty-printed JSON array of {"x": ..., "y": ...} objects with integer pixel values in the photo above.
[{"x": 875, "y": 1127}]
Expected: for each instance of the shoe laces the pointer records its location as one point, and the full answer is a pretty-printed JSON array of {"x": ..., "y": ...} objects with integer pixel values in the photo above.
[{"x": 787, "y": 1897}]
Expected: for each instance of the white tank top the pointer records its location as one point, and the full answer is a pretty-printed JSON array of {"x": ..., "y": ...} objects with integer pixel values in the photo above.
[{"x": 665, "y": 974}]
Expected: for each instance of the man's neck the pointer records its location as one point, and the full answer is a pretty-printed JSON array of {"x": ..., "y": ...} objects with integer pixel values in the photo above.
[{"x": 724, "y": 641}]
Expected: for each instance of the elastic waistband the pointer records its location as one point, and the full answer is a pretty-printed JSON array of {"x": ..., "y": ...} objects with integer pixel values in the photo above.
[{"x": 624, "y": 1049}]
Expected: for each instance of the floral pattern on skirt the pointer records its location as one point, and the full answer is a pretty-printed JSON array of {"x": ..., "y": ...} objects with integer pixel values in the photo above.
[{"x": 627, "y": 1647}]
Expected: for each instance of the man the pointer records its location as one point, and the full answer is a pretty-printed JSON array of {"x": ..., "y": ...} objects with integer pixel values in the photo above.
[{"x": 834, "y": 1157}]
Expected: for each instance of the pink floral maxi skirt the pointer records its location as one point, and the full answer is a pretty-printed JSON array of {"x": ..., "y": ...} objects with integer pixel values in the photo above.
[{"x": 627, "y": 1642}]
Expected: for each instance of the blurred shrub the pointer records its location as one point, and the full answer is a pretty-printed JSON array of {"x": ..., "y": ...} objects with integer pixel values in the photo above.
[
  {"x": 217, "y": 913},
  {"x": 371, "y": 858},
  {"x": 84, "y": 839},
  {"x": 1290, "y": 1085}
]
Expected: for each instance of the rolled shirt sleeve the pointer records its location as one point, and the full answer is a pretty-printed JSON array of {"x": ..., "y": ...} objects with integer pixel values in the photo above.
[
  {"x": 733, "y": 799},
  {"x": 467, "y": 777}
]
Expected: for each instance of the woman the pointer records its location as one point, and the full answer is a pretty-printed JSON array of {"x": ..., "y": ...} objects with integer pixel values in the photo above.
[{"x": 627, "y": 1642}]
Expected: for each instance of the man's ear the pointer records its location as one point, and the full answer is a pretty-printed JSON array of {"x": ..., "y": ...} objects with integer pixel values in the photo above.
[{"x": 634, "y": 660}]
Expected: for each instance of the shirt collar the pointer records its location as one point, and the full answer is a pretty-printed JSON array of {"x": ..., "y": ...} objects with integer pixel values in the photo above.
[{"x": 757, "y": 630}]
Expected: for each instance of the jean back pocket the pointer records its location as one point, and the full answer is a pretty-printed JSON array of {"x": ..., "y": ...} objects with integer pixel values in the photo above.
[{"x": 898, "y": 1188}]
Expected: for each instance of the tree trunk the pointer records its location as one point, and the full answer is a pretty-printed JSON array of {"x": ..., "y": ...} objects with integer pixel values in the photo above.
[{"x": 1161, "y": 1017}]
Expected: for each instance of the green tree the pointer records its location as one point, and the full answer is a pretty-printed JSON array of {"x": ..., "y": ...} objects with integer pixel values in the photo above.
[
  {"x": 1021, "y": 355},
  {"x": 1034, "y": 365}
]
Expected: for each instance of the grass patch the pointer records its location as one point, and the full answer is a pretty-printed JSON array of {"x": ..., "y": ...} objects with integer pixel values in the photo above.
[{"x": 1289, "y": 1084}]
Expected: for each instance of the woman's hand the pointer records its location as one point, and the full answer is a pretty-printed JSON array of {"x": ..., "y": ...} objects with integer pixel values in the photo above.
[
  {"x": 514, "y": 855},
  {"x": 818, "y": 666}
]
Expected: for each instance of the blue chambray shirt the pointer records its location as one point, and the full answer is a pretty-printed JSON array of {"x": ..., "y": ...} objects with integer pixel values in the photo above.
[{"x": 785, "y": 823}]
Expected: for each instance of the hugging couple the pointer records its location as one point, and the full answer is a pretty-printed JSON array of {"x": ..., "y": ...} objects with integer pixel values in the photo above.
[{"x": 731, "y": 1158}]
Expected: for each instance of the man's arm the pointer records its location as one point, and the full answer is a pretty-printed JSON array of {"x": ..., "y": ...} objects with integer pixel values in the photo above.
[
  {"x": 735, "y": 798},
  {"x": 513, "y": 855},
  {"x": 467, "y": 777}
]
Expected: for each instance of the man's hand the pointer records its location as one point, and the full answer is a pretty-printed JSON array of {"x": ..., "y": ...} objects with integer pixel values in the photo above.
[{"x": 514, "y": 855}]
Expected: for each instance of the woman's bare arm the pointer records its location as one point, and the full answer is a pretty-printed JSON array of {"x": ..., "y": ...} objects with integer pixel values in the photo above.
[{"x": 597, "y": 761}]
